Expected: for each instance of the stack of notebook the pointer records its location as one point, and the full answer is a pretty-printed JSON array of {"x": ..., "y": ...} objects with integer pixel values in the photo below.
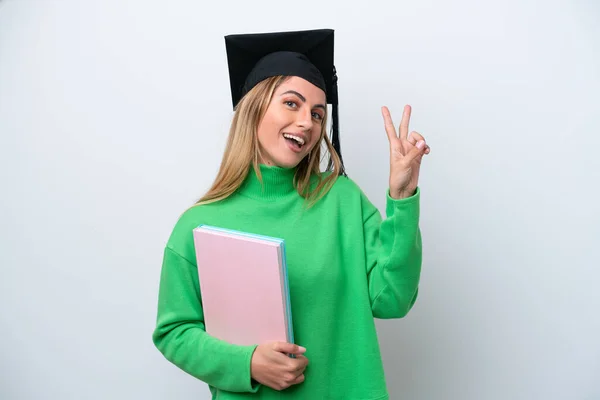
[{"x": 244, "y": 286}]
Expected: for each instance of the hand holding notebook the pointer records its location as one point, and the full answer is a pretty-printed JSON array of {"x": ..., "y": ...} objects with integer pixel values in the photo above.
[
  {"x": 245, "y": 299},
  {"x": 271, "y": 365}
]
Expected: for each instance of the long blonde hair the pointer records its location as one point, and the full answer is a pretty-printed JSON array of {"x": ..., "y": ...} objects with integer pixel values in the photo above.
[{"x": 242, "y": 151}]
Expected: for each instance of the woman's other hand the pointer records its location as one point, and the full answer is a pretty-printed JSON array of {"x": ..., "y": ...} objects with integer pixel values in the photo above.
[
  {"x": 406, "y": 152},
  {"x": 272, "y": 366}
]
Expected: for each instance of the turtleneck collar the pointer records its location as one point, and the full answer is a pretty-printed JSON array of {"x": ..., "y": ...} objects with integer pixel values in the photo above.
[{"x": 277, "y": 182}]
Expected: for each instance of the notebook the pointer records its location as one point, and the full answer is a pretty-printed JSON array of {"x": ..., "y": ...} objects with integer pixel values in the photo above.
[{"x": 244, "y": 286}]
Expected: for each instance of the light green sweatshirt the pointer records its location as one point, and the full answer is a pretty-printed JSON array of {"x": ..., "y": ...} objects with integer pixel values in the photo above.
[{"x": 345, "y": 266}]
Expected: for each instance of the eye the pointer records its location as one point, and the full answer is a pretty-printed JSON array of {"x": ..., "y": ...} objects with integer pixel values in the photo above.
[
  {"x": 316, "y": 115},
  {"x": 290, "y": 103}
]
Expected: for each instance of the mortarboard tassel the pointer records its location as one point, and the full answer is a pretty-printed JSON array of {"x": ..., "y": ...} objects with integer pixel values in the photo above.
[{"x": 335, "y": 135}]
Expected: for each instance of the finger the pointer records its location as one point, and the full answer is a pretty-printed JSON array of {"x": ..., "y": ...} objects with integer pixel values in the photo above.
[
  {"x": 414, "y": 137},
  {"x": 300, "y": 363},
  {"x": 404, "y": 122},
  {"x": 416, "y": 151},
  {"x": 298, "y": 380},
  {"x": 288, "y": 348},
  {"x": 389, "y": 124}
]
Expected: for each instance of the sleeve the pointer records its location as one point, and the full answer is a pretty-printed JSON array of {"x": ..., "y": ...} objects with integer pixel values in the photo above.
[
  {"x": 181, "y": 337},
  {"x": 394, "y": 255}
]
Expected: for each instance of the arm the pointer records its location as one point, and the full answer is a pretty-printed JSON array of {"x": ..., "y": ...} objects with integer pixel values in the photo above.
[
  {"x": 181, "y": 337},
  {"x": 394, "y": 255}
]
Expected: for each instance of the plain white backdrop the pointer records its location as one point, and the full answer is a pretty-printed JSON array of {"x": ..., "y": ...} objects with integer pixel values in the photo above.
[{"x": 113, "y": 117}]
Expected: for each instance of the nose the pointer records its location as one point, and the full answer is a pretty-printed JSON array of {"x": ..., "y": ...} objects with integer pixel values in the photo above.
[{"x": 305, "y": 120}]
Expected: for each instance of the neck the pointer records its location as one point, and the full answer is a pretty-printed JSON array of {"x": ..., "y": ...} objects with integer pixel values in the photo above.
[{"x": 277, "y": 182}]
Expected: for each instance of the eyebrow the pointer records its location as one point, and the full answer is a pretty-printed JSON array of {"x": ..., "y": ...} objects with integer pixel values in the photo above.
[{"x": 303, "y": 98}]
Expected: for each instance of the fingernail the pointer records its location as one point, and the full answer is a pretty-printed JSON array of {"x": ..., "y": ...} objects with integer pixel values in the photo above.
[
  {"x": 420, "y": 144},
  {"x": 302, "y": 349}
]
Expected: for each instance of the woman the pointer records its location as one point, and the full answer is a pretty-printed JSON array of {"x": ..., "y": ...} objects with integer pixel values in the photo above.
[{"x": 345, "y": 265}]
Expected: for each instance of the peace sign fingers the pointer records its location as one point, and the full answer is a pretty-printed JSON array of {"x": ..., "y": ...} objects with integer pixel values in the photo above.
[
  {"x": 389, "y": 125},
  {"x": 404, "y": 122}
]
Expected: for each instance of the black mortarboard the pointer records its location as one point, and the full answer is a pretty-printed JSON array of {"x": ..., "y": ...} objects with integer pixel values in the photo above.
[{"x": 306, "y": 54}]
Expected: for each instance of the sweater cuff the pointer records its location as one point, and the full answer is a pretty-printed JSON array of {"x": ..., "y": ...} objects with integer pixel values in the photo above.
[
  {"x": 248, "y": 384},
  {"x": 407, "y": 204}
]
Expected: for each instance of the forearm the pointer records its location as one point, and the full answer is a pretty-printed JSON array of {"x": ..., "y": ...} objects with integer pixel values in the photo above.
[
  {"x": 180, "y": 331},
  {"x": 215, "y": 362},
  {"x": 394, "y": 277}
]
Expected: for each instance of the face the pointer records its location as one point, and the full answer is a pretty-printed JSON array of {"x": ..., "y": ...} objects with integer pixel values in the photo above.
[{"x": 291, "y": 126}]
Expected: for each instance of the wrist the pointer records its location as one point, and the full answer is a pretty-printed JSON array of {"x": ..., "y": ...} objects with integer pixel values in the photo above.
[{"x": 402, "y": 194}]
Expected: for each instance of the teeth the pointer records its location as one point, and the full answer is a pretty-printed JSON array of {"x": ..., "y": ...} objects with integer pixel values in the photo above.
[{"x": 296, "y": 138}]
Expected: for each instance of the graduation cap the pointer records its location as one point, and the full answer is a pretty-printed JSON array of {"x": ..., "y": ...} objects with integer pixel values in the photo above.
[{"x": 306, "y": 54}]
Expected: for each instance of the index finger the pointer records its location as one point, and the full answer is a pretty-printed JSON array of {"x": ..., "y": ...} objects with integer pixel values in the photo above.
[
  {"x": 404, "y": 122},
  {"x": 299, "y": 363},
  {"x": 389, "y": 125}
]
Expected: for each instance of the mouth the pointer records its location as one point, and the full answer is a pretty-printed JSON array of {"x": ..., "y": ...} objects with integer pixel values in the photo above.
[{"x": 295, "y": 141}]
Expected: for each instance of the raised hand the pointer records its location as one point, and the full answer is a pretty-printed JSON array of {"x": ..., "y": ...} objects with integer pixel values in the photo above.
[{"x": 406, "y": 153}]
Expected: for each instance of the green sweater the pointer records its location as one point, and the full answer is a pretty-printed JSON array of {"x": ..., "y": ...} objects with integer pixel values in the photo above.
[{"x": 345, "y": 266}]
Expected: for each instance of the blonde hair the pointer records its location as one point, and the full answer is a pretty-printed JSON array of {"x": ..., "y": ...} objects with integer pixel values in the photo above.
[{"x": 242, "y": 151}]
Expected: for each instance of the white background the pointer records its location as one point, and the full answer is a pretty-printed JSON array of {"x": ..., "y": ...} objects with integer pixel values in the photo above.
[{"x": 113, "y": 118}]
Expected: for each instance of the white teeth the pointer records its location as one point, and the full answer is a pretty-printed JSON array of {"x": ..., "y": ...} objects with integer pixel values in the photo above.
[{"x": 296, "y": 138}]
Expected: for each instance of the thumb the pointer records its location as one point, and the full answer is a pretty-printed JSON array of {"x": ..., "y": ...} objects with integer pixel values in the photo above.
[
  {"x": 288, "y": 348},
  {"x": 416, "y": 151}
]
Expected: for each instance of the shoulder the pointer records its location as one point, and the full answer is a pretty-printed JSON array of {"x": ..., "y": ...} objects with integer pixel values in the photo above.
[
  {"x": 347, "y": 193},
  {"x": 181, "y": 238},
  {"x": 347, "y": 187}
]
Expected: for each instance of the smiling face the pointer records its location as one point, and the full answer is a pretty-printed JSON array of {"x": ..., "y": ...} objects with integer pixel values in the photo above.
[{"x": 292, "y": 124}]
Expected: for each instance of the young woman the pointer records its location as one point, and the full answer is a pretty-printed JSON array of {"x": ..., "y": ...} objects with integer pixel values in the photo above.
[{"x": 346, "y": 265}]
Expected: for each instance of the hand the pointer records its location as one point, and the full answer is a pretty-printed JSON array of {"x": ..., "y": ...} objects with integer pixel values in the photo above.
[
  {"x": 271, "y": 365},
  {"x": 406, "y": 153}
]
